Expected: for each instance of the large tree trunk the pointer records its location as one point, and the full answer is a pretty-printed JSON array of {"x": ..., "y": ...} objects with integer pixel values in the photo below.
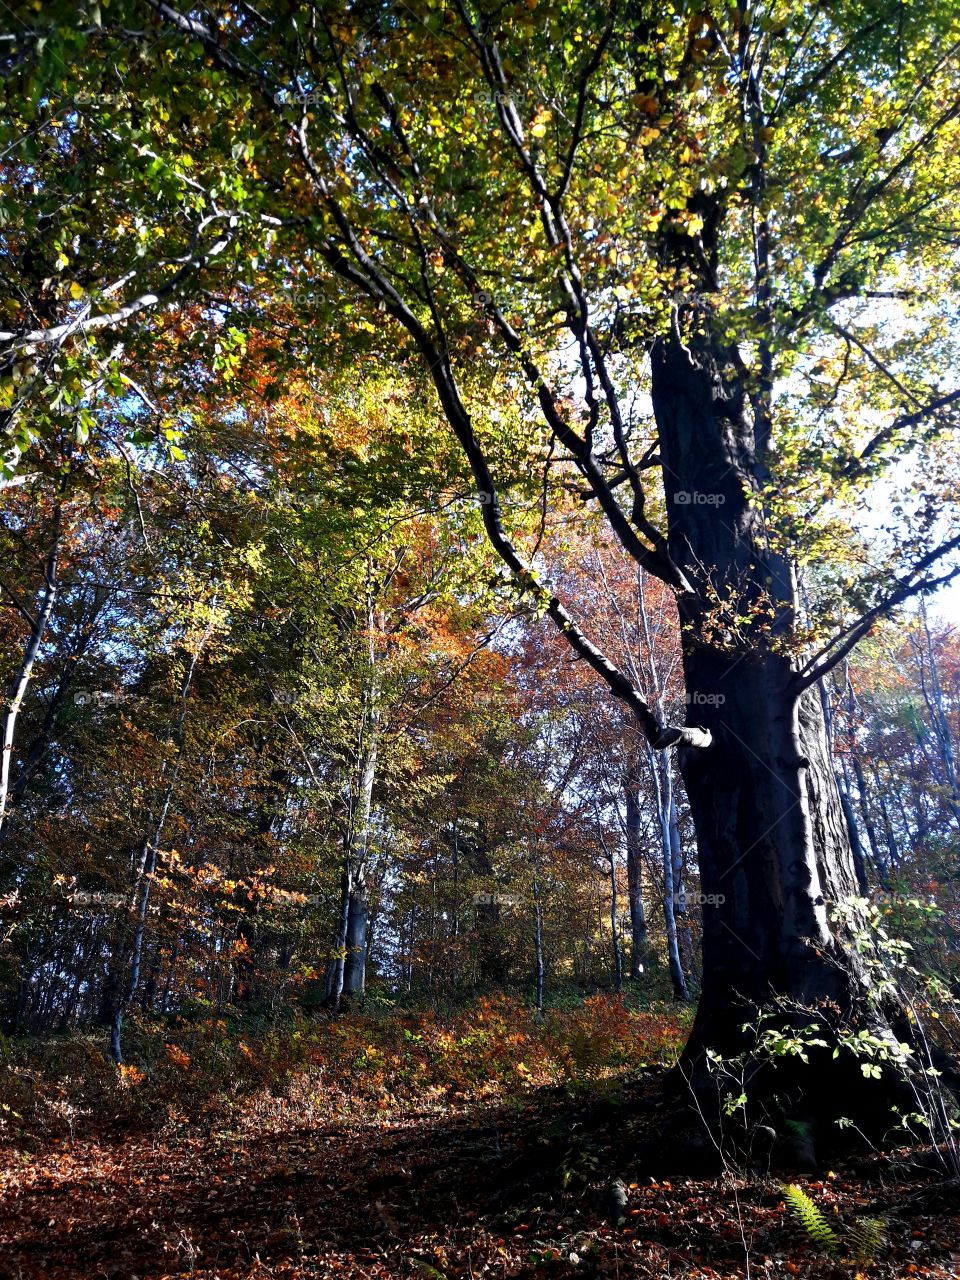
[
  {"x": 774, "y": 848},
  {"x": 492, "y": 969}
]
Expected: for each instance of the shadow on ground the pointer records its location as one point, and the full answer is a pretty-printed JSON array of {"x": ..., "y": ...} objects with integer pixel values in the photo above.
[{"x": 558, "y": 1188}]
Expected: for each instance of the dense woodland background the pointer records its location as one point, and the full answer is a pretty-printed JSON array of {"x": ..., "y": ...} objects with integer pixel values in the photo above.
[
  {"x": 256, "y": 707},
  {"x": 479, "y": 672}
]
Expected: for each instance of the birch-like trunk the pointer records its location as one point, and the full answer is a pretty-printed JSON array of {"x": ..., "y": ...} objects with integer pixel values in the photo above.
[
  {"x": 38, "y": 627},
  {"x": 634, "y": 840},
  {"x": 347, "y": 978}
]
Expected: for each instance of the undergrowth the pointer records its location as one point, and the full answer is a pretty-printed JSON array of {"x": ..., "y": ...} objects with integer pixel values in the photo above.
[{"x": 180, "y": 1071}]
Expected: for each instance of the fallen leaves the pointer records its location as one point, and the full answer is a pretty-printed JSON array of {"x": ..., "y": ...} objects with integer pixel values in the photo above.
[{"x": 269, "y": 1189}]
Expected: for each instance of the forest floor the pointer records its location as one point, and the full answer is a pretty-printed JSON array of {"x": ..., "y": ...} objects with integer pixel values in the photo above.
[{"x": 448, "y": 1183}]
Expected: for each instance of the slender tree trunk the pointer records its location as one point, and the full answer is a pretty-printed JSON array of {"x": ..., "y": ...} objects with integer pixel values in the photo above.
[
  {"x": 634, "y": 841},
  {"x": 350, "y": 964},
  {"x": 893, "y": 850},
  {"x": 142, "y": 902},
  {"x": 684, "y": 940},
  {"x": 355, "y": 962},
  {"x": 538, "y": 942},
  {"x": 933, "y": 696},
  {"x": 407, "y": 969},
  {"x": 853, "y": 832},
  {"x": 48, "y": 599},
  {"x": 39, "y": 748},
  {"x": 843, "y": 787},
  {"x": 171, "y": 971},
  {"x": 661, "y": 771},
  {"x": 244, "y": 988},
  {"x": 355, "y": 883},
  {"x": 879, "y": 861},
  {"x": 615, "y": 925},
  {"x": 336, "y": 970}
]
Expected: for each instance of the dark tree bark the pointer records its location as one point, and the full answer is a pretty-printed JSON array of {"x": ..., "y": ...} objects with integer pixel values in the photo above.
[{"x": 774, "y": 847}]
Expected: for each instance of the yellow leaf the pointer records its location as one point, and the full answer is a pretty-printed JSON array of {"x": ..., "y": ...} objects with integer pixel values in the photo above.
[{"x": 538, "y": 126}]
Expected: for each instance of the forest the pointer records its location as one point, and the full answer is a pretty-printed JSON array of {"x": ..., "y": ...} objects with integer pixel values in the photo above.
[{"x": 479, "y": 639}]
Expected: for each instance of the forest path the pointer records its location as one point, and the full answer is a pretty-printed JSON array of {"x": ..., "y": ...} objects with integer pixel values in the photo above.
[{"x": 439, "y": 1193}]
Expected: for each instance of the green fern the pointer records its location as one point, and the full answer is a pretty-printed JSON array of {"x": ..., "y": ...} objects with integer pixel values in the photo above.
[
  {"x": 810, "y": 1218},
  {"x": 867, "y": 1237},
  {"x": 426, "y": 1269}
]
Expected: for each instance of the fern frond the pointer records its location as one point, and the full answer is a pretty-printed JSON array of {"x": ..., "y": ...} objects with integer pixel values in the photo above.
[
  {"x": 867, "y": 1237},
  {"x": 426, "y": 1269},
  {"x": 810, "y": 1217}
]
